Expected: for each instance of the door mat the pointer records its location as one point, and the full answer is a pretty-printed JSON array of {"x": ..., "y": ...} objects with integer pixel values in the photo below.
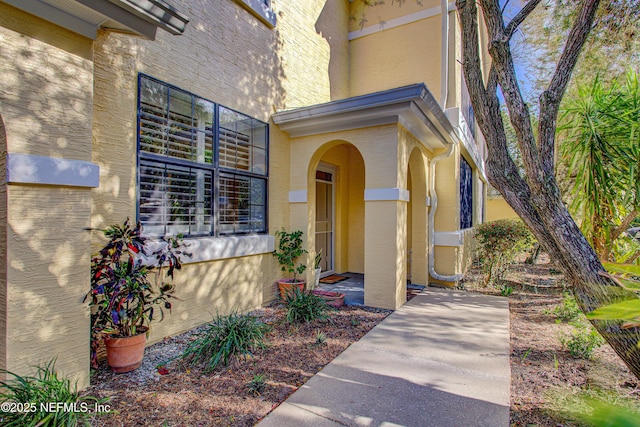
[{"x": 329, "y": 280}]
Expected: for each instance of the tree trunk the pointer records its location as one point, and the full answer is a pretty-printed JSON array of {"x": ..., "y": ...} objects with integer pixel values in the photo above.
[{"x": 535, "y": 195}]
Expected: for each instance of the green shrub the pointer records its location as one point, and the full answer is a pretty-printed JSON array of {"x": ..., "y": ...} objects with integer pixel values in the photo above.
[
  {"x": 28, "y": 393},
  {"x": 499, "y": 242},
  {"x": 257, "y": 384},
  {"x": 506, "y": 291},
  {"x": 321, "y": 338},
  {"x": 582, "y": 342},
  {"x": 305, "y": 307},
  {"x": 568, "y": 311},
  {"x": 226, "y": 337}
]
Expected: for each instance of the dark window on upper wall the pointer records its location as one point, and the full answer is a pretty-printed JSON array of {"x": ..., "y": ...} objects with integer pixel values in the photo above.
[
  {"x": 202, "y": 167},
  {"x": 466, "y": 194}
]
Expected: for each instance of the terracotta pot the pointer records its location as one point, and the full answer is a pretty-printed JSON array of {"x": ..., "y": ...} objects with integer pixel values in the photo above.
[
  {"x": 334, "y": 299},
  {"x": 126, "y": 354},
  {"x": 286, "y": 286}
]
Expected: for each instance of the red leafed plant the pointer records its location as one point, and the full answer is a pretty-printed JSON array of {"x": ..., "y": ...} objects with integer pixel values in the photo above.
[{"x": 123, "y": 300}]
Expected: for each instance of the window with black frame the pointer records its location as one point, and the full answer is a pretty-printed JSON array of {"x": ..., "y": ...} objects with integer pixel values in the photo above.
[
  {"x": 466, "y": 194},
  {"x": 202, "y": 166}
]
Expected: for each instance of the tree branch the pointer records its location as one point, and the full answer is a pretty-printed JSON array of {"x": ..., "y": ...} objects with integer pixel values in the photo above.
[
  {"x": 626, "y": 223},
  {"x": 471, "y": 63},
  {"x": 520, "y": 17},
  {"x": 550, "y": 98},
  {"x": 518, "y": 110}
]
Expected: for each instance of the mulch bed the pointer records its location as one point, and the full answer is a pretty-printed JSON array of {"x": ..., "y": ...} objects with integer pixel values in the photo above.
[
  {"x": 187, "y": 397},
  {"x": 544, "y": 375}
]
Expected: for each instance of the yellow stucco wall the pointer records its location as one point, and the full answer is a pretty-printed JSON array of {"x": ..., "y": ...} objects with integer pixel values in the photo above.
[
  {"x": 367, "y": 145},
  {"x": 448, "y": 190},
  {"x": 498, "y": 208},
  {"x": 397, "y": 57},
  {"x": 46, "y": 107},
  {"x": 376, "y": 16},
  {"x": 417, "y": 214}
]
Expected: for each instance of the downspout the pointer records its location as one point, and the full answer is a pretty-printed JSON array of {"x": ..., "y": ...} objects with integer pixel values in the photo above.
[
  {"x": 444, "y": 91},
  {"x": 432, "y": 216},
  {"x": 444, "y": 54}
]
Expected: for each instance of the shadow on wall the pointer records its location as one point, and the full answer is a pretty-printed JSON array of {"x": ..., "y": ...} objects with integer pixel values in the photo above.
[
  {"x": 337, "y": 36},
  {"x": 46, "y": 100}
]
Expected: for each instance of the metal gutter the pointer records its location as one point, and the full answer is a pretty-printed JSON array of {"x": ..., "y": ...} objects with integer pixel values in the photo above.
[
  {"x": 160, "y": 12},
  {"x": 85, "y": 17}
]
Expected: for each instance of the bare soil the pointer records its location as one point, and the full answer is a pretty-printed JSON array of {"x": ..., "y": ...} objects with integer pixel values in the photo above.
[{"x": 544, "y": 376}]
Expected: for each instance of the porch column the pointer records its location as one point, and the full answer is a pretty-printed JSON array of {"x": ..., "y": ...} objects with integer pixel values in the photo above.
[
  {"x": 385, "y": 247},
  {"x": 300, "y": 219}
]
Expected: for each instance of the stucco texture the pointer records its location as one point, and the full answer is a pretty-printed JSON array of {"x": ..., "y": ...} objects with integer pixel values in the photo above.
[{"x": 46, "y": 107}]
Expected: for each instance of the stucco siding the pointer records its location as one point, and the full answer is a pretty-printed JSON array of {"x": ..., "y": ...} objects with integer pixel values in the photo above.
[
  {"x": 46, "y": 103},
  {"x": 45, "y": 97},
  {"x": 397, "y": 57},
  {"x": 498, "y": 208},
  {"x": 206, "y": 289},
  {"x": 448, "y": 190},
  {"x": 64, "y": 96},
  {"x": 47, "y": 278}
]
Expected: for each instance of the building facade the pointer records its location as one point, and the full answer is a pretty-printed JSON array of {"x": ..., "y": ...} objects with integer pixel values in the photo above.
[{"x": 226, "y": 121}]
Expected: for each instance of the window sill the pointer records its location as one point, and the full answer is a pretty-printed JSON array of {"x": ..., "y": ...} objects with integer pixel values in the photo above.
[
  {"x": 260, "y": 11},
  {"x": 219, "y": 248}
]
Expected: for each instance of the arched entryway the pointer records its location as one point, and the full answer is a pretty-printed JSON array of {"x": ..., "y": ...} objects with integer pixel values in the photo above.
[{"x": 336, "y": 184}]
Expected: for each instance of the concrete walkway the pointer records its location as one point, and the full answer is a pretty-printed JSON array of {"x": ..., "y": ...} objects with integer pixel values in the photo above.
[{"x": 440, "y": 360}]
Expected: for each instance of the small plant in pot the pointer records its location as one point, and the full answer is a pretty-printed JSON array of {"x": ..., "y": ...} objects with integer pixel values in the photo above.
[
  {"x": 123, "y": 299},
  {"x": 288, "y": 252}
]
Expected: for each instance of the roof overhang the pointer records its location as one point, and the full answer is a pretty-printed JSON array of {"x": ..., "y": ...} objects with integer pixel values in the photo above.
[
  {"x": 414, "y": 107},
  {"x": 85, "y": 17}
]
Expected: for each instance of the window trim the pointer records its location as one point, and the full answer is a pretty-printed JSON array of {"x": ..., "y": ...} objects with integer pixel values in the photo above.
[
  {"x": 261, "y": 10},
  {"x": 214, "y": 167}
]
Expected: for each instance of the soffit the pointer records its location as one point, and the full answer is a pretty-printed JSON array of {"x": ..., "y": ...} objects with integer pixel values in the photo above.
[
  {"x": 85, "y": 17},
  {"x": 414, "y": 107}
]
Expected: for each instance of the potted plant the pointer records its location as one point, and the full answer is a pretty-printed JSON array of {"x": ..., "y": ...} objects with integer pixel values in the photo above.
[
  {"x": 288, "y": 252},
  {"x": 123, "y": 299}
]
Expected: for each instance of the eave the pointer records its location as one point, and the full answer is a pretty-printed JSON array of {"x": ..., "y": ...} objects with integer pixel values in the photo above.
[
  {"x": 414, "y": 107},
  {"x": 85, "y": 17}
]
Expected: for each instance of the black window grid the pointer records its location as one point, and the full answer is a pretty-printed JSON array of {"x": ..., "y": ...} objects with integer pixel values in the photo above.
[{"x": 190, "y": 163}]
